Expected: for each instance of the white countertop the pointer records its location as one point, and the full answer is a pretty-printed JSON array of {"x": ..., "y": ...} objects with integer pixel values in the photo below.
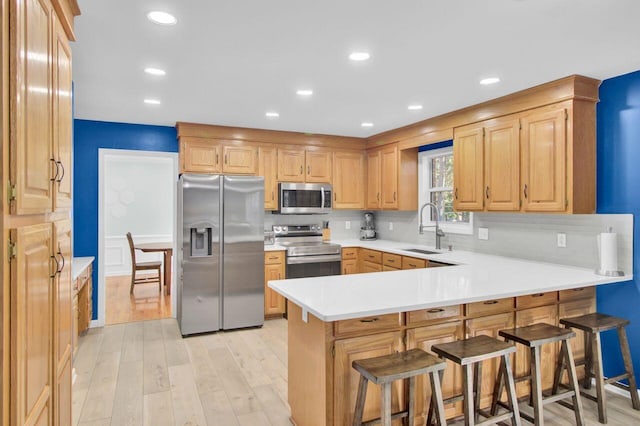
[
  {"x": 476, "y": 277},
  {"x": 79, "y": 264}
]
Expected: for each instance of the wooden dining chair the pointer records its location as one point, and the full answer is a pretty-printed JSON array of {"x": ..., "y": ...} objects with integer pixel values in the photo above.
[{"x": 143, "y": 266}]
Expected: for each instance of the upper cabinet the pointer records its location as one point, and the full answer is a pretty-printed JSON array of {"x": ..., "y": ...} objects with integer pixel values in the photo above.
[
  {"x": 392, "y": 182},
  {"x": 525, "y": 162},
  {"x": 199, "y": 155},
  {"x": 348, "y": 180},
  {"x": 268, "y": 168},
  {"x": 240, "y": 159},
  {"x": 300, "y": 165}
]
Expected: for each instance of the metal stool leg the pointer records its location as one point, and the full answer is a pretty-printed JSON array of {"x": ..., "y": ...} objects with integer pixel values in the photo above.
[
  {"x": 360, "y": 399},
  {"x": 628, "y": 366},
  {"x": 573, "y": 383}
]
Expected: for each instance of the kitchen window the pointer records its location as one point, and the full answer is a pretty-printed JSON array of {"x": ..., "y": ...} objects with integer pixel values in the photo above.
[{"x": 435, "y": 174}]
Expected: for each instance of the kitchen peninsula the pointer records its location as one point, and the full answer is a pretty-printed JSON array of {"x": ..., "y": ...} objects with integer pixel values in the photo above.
[{"x": 335, "y": 320}]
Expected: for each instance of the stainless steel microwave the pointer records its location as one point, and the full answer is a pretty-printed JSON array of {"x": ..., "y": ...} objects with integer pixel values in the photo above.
[{"x": 305, "y": 198}]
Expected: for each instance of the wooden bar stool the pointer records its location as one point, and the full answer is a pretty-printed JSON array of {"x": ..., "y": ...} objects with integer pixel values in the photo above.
[
  {"x": 534, "y": 336},
  {"x": 383, "y": 370},
  {"x": 592, "y": 325},
  {"x": 470, "y": 353}
]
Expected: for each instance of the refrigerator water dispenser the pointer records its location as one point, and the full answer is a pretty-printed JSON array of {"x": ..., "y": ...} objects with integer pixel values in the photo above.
[{"x": 200, "y": 242}]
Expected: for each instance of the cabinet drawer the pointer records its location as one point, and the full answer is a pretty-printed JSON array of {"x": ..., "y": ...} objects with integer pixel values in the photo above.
[
  {"x": 537, "y": 299},
  {"x": 372, "y": 255},
  {"x": 349, "y": 253},
  {"x": 413, "y": 263},
  {"x": 490, "y": 307},
  {"x": 434, "y": 264},
  {"x": 577, "y": 293},
  {"x": 434, "y": 314},
  {"x": 393, "y": 260},
  {"x": 273, "y": 257},
  {"x": 386, "y": 268},
  {"x": 367, "y": 324},
  {"x": 371, "y": 267}
]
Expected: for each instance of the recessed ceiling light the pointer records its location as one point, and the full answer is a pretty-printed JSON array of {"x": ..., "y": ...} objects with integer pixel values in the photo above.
[
  {"x": 162, "y": 18},
  {"x": 367, "y": 124},
  {"x": 272, "y": 114},
  {"x": 414, "y": 107},
  {"x": 154, "y": 71},
  {"x": 489, "y": 80},
  {"x": 152, "y": 101},
  {"x": 304, "y": 92},
  {"x": 359, "y": 56}
]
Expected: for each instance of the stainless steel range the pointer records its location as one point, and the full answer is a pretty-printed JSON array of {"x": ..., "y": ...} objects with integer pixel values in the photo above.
[{"x": 307, "y": 255}]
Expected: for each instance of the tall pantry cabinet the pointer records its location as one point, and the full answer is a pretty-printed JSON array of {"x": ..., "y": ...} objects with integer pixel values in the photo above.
[{"x": 35, "y": 300}]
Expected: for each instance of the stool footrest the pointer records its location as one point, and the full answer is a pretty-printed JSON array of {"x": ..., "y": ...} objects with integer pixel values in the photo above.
[
  {"x": 557, "y": 397},
  {"x": 495, "y": 419},
  {"x": 398, "y": 415},
  {"x": 589, "y": 396},
  {"x": 612, "y": 380}
]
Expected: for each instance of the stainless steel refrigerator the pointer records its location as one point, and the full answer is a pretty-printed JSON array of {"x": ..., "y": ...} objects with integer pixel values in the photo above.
[{"x": 221, "y": 252}]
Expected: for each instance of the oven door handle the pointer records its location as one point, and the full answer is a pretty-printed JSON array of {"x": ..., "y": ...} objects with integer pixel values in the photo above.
[{"x": 296, "y": 260}]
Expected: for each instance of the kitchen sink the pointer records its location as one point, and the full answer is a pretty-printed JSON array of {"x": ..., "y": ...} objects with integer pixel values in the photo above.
[{"x": 421, "y": 251}]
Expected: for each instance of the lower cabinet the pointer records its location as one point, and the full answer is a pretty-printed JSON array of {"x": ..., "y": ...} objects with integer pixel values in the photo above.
[
  {"x": 274, "y": 269},
  {"x": 368, "y": 266},
  {"x": 423, "y": 338},
  {"x": 346, "y": 378},
  {"x": 578, "y": 303},
  {"x": 350, "y": 260}
]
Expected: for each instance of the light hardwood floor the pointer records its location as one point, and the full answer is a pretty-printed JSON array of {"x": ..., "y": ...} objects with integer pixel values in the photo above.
[
  {"x": 145, "y": 373},
  {"x": 146, "y": 302}
]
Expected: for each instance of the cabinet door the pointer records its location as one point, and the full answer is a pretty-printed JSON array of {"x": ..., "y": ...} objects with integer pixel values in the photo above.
[
  {"x": 489, "y": 326},
  {"x": 374, "y": 181},
  {"x": 348, "y": 180},
  {"x": 62, "y": 326},
  {"x": 268, "y": 168},
  {"x": 346, "y": 378},
  {"x": 240, "y": 159},
  {"x": 318, "y": 165},
  {"x": 468, "y": 191},
  {"x": 543, "y": 314},
  {"x": 32, "y": 159},
  {"x": 389, "y": 173},
  {"x": 290, "y": 165},
  {"x": 274, "y": 303},
  {"x": 368, "y": 266},
  {"x": 574, "y": 309},
  {"x": 544, "y": 177},
  {"x": 349, "y": 266},
  {"x": 423, "y": 338},
  {"x": 62, "y": 119},
  {"x": 32, "y": 272},
  {"x": 502, "y": 164},
  {"x": 199, "y": 156}
]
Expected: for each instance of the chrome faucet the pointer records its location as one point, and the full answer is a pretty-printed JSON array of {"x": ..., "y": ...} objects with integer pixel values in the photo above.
[{"x": 421, "y": 227}]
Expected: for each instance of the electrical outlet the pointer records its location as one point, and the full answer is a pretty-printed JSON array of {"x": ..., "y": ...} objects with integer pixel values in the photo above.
[
  {"x": 347, "y": 224},
  {"x": 562, "y": 239},
  {"x": 390, "y": 226},
  {"x": 483, "y": 233}
]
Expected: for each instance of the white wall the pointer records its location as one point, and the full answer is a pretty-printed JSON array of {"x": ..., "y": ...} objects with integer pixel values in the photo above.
[{"x": 138, "y": 199}]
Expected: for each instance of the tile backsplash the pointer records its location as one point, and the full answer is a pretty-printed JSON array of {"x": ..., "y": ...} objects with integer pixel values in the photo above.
[{"x": 526, "y": 236}]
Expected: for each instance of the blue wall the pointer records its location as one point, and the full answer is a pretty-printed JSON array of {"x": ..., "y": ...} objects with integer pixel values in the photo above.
[
  {"x": 618, "y": 162},
  {"x": 89, "y": 136}
]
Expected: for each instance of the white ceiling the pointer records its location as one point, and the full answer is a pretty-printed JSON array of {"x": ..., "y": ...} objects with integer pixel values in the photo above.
[{"x": 229, "y": 61}]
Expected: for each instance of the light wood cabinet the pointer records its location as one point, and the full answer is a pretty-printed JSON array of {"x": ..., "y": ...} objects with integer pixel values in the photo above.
[
  {"x": 544, "y": 158},
  {"x": 346, "y": 378},
  {"x": 413, "y": 263},
  {"x": 274, "y": 269},
  {"x": 389, "y": 173},
  {"x": 268, "y": 168},
  {"x": 85, "y": 307},
  {"x": 374, "y": 180},
  {"x": 350, "y": 260},
  {"x": 348, "y": 180},
  {"x": 574, "y": 308},
  {"x": 468, "y": 191},
  {"x": 502, "y": 164},
  {"x": 318, "y": 166},
  {"x": 368, "y": 266},
  {"x": 300, "y": 165},
  {"x": 291, "y": 165},
  {"x": 488, "y": 326},
  {"x": 63, "y": 322},
  {"x": 423, "y": 338},
  {"x": 239, "y": 159},
  {"x": 33, "y": 276},
  {"x": 199, "y": 156}
]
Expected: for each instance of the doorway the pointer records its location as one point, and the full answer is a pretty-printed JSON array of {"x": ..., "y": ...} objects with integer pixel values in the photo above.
[{"x": 137, "y": 194}]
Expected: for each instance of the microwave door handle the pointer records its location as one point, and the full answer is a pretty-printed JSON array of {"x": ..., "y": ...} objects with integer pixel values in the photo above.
[{"x": 322, "y": 198}]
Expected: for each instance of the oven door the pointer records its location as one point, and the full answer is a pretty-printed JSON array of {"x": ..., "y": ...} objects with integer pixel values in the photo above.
[
  {"x": 305, "y": 198},
  {"x": 313, "y": 266}
]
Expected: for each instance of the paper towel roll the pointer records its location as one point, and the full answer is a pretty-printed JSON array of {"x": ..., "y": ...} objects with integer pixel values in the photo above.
[{"x": 608, "y": 251}]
